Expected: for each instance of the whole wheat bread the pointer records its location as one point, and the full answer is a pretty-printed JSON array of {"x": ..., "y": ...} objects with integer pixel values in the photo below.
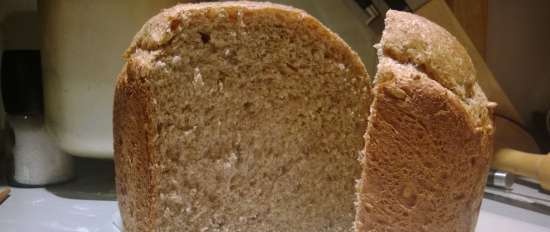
[
  {"x": 238, "y": 116},
  {"x": 429, "y": 136},
  {"x": 247, "y": 117}
]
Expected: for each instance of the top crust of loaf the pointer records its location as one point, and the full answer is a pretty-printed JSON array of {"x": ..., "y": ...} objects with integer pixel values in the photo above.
[
  {"x": 411, "y": 39},
  {"x": 160, "y": 29}
]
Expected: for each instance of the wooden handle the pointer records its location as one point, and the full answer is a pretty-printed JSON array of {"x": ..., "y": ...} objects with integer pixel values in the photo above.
[
  {"x": 531, "y": 165},
  {"x": 4, "y": 192}
]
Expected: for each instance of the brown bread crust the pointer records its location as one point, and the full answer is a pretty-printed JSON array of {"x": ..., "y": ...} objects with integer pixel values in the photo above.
[
  {"x": 133, "y": 139},
  {"x": 160, "y": 29},
  {"x": 429, "y": 139}
]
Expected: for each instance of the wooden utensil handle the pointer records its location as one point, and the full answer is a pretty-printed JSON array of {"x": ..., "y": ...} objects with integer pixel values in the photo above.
[
  {"x": 4, "y": 193},
  {"x": 531, "y": 165}
]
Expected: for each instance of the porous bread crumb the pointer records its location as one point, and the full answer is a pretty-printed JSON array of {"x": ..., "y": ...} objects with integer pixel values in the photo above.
[{"x": 258, "y": 118}]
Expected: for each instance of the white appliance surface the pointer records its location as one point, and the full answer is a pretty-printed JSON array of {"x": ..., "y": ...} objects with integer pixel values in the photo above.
[{"x": 41, "y": 210}]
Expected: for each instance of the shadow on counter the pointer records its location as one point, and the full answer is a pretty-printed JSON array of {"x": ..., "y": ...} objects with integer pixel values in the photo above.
[{"x": 94, "y": 180}]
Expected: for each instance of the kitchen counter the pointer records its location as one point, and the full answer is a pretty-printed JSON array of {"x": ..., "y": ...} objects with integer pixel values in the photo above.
[
  {"x": 38, "y": 209},
  {"x": 41, "y": 210},
  {"x": 88, "y": 204}
]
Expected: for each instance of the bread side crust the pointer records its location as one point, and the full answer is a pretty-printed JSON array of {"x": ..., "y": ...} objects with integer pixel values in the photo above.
[
  {"x": 412, "y": 39},
  {"x": 409, "y": 39},
  {"x": 133, "y": 145},
  {"x": 429, "y": 136},
  {"x": 420, "y": 144}
]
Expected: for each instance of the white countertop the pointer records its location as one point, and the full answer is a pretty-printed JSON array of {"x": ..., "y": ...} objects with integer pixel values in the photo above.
[
  {"x": 88, "y": 204},
  {"x": 29, "y": 210},
  {"x": 40, "y": 209}
]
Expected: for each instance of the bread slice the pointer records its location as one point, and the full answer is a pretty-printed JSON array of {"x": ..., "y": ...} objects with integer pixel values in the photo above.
[
  {"x": 429, "y": 136},
  {"x": 238, "y": 116}
]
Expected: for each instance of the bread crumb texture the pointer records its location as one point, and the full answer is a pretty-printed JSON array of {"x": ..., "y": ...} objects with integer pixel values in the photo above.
[
  {"x": 429, "y": 137},
  {"x": 238, "y": 116}
]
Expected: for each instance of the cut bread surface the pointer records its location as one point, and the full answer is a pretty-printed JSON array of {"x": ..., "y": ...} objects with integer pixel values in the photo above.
[{"x": 239, "y": 116}]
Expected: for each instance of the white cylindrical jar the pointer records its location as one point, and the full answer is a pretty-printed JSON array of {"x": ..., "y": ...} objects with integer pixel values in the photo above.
[{"x": 82, "y": 48}]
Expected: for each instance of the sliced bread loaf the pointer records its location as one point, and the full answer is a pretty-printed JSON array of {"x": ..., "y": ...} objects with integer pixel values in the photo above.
[
  {"x": 238, "y": 116},
  {"x": 429, "y": 136}
]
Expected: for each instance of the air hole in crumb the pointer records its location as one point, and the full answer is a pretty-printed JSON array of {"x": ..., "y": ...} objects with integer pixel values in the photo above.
[
  {"x": 428, "y": 221},
  {"x": 205, "y": 37},
  {"x": 247, "y": 105},
  {"x": 174, "y": 24},
  {"x": 187, "y": 128},
  {"x": 291, "y": 67},
  {"x": 185, "y": 108},
  {"x": 221, "y": 80},
  {"x": 473, "y": 161},
  {"x": 283, "y": 170},
  {"x": 381, "y": 221},
  {"x": 459, "y": 196},
  {"x": 409, "y": 196},
  {"x": 319, "y": 109},
  {"x": 212, "y": 198},
  {"x": 444, "y": 175},
  {"x": 428, "y": 164},
  {"x": 208, "y": 109},
  {"x": 159, "y": 129}
]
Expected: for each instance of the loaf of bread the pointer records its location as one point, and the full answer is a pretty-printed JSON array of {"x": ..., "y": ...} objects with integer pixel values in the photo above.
[
  {"x": 241, "y": 116},
  {"x": 238, "y": 116},
  {"x": 429, "y": 136}
]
